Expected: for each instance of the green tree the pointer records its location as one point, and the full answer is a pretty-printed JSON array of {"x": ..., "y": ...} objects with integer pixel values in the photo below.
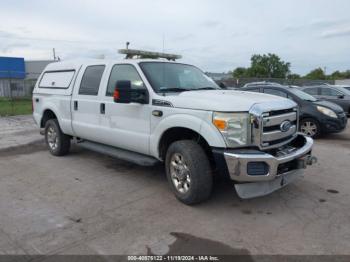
[
  {"x": 294, "y": 76},
  {"x": 316, "y": 74},
  {"x": 269, "y": 65},
  {"x": 240, "y": 72},
  {"x": 340, "y": 75}
]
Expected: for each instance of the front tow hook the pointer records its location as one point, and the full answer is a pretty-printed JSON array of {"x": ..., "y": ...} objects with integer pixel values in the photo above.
[
  {"x": 310, "y": 160},
  {"x": 306, "y": 161}
]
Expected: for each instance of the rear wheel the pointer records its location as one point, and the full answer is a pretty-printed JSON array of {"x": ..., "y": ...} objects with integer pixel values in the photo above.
[
  {"x": 310, "y": 127},
  {"x": 188, "y": 172},
  {"x": 57, "y": 142}
]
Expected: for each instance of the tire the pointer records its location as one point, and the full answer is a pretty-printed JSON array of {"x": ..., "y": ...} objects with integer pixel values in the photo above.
[
  {"x": 310, "y": 127},
  {"x": 57, "y": 142},
  {"x": 187, "y": 163}
]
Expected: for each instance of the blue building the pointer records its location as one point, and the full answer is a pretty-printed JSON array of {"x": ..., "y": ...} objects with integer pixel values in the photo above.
[
  {"x": 12, "y": 75},
  {"x": 12, "y": 67},
  {"x": 18, "y": 77}
]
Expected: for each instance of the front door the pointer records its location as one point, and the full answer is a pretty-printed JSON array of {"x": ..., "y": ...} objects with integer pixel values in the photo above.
[{"x": 125, "y": 126}]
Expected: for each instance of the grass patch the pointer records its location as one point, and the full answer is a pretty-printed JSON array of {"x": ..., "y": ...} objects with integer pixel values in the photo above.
[{"x": 15, "y": 106}]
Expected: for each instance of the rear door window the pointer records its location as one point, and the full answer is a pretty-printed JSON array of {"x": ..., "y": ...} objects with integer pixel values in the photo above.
[
  {"x": 325, "y": 91},
  {"x": 311, "y": 91},
  {"x": 57, "y": 79},
  {"x": 91, "y": 80},
  {"x": 275, "y": 92},
  {"x": 257, "y": 90}
]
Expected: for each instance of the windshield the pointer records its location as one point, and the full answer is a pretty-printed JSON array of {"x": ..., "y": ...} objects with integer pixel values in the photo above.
[
  {"x": 171, "y": 77},
  {"x": 302, "y": 95}
]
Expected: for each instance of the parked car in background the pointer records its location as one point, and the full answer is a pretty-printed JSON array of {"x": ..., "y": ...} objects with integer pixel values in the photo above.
[
  {"x": 315, "y": 116},
  {"x": 336, "y": 94},
  {"x": 346, "y": 87}
]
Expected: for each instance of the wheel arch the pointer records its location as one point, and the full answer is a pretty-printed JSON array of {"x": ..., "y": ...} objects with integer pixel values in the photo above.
[
  {"x": 47, "y": 115},
  {"x": 183, "y": 126},
  {"x": 174, "y": 134}
]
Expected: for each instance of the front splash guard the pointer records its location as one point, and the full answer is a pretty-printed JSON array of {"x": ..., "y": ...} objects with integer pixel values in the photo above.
[{"x": 257, "y": 189}]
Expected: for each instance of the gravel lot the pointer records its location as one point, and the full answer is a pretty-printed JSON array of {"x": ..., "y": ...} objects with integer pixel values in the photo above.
[{"x": 87, "y": 203}]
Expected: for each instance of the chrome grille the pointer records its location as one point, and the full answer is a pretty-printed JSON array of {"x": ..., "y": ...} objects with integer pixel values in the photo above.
[
  {"x": 271, "y": 133},
  {"x": 267, "y": 128}
]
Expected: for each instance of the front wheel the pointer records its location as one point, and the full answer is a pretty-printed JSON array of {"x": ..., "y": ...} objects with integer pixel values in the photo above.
[
  {"x": 310, "y": 127},
  {"x": 188, "y": 172}
]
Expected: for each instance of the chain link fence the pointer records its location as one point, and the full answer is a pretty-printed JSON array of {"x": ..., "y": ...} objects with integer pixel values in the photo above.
[
  {"x": 235, "y": 82},
  {"x": 16, "y": 94}
]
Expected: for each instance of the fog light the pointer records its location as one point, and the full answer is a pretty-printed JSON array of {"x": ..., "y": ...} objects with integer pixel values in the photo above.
[{"x": 257, "y": 169}]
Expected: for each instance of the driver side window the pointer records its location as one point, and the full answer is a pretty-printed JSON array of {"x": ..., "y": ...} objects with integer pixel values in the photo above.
[{"x": 124, "y": 72}]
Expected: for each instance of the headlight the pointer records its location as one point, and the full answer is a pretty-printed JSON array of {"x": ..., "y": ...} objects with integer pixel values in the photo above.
[
  {"x": 326, "y": 111},
  {"x": 235, "y": 127}
]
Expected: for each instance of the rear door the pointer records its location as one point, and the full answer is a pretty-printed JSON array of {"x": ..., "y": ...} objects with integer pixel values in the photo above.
[{"x": 85, "y": 105}]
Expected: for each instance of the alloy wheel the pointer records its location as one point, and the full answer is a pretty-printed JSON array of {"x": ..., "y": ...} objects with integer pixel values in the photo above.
[{"x": 180, "y": 173}]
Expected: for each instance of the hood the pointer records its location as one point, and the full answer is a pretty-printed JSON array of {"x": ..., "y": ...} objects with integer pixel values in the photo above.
[
  {"x": 337, "y": 109},
  {"x": 225, "y": 100}
]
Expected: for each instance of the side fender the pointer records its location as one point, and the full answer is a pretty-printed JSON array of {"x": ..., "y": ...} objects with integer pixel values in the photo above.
[{"x": 208, "y": 132}]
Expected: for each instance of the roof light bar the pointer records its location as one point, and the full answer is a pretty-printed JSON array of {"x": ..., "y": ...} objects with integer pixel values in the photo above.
[{"x": 133, "y": 53}]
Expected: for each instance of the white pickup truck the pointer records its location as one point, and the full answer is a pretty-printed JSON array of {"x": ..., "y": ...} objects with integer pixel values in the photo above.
[{"x": 151, "y": 110}]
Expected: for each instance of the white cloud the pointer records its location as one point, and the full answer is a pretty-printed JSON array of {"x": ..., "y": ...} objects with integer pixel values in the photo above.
[{"x": 215, "y": 35}]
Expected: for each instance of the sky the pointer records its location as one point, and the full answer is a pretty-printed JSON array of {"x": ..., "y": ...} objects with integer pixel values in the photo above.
[{"x": 217, "y": 36}]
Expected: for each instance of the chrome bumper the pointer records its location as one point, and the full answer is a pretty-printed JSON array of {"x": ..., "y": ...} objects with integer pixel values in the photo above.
[{"x": 237, "y": 162}]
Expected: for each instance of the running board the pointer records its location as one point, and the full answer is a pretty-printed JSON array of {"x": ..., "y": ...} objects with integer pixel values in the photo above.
[{"x": 122, "y": 154}]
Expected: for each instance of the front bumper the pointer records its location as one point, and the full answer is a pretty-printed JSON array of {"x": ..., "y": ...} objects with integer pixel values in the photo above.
[
  {"x": 237, "y": 162},
  {"x": 281, "y": 166},
  {"x": 257, "y": 189},
  {"x": 334, "y": 125}
]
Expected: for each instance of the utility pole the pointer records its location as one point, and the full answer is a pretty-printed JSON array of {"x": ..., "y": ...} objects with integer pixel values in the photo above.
[{"x": 54, "y": 54}]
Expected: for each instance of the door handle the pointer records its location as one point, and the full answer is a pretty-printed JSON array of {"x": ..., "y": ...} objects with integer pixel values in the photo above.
[
  {"x": 75, "y": 105},
  {"x": 102, "y": 108}
]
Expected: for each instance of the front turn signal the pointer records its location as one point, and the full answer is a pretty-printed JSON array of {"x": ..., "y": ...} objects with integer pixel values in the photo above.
[{"x": 220, "y": 124}]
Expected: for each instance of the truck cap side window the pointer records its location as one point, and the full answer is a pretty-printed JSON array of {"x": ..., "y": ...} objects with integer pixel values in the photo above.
[
  {"x": 124, "y": 72},
  {"x": 57, "y": 79},
  {"x": 90, "y": 82}
]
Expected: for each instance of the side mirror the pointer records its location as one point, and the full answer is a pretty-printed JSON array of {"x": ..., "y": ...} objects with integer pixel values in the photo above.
[
  {"x": 341, "y": 96},
  {"x": 125, "y": 95},
  {"x": 122, "y": 92},
  {"x": 222, "y": 85}
]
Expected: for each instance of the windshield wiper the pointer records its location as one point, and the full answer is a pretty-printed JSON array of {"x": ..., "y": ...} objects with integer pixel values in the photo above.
[
  {"x": 173, "y": 89},
  {"x": 205, "y": 88}
]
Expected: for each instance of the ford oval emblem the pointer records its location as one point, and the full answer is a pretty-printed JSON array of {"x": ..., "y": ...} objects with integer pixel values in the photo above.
[{"x": 285, "y": 126}]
